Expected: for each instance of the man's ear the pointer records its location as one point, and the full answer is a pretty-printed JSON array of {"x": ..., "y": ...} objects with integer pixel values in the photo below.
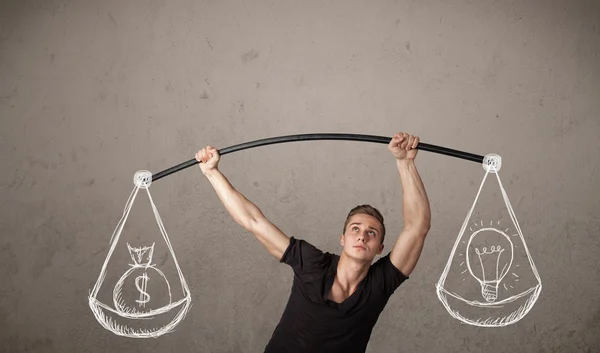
[
  {"x": 342, "y": 240},
  {"x": 380, "y": 249}
]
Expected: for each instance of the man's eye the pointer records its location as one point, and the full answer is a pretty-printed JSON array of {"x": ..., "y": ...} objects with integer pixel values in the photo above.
[{"x": 371, "y": 231}]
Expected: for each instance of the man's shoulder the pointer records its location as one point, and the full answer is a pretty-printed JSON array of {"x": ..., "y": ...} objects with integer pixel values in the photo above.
[
  {"x": 384, "y": 264},
  {"x": 307, "y": 246},
  {"x": 383, "y": 270},
  {"x": 304, "y": 256},
  {"x": 382, "y": 260}
]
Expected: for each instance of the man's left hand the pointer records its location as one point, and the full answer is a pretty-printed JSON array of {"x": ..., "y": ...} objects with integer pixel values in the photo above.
[{"x": 404, "y": 146}]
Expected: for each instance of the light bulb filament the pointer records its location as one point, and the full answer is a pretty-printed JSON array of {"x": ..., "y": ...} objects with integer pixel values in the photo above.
[{"x": 493, "y": 249}]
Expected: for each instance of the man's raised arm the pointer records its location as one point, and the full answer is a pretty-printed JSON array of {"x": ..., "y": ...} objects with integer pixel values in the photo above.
[
  {"x": 243, "y": 211},
  {"x": 415, "y": 204}
]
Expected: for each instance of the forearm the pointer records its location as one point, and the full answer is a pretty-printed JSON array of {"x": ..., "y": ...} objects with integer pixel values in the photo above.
[
  {"x": 239, "y": 207},
  {"x": 415, "y": 202}
]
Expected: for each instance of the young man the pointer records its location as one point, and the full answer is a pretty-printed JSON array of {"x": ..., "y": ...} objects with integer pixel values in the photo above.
[{"x": 336, "y": 300}]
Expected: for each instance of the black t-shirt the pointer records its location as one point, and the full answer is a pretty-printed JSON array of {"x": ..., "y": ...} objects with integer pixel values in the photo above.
[{"x": 311, "y": 323}]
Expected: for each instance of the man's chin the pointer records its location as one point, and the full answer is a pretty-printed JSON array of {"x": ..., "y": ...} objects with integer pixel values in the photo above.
[{"x": 362, "y": 256}]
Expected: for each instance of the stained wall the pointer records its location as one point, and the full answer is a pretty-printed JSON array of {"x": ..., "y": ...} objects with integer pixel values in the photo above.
[{"x": 92, "y": 92}]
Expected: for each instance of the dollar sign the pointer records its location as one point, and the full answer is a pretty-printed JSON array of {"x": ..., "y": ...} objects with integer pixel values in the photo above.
[{"x": 144, "y": 297}]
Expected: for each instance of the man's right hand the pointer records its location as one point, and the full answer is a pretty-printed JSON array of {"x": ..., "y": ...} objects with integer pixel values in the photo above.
[{"x": 209, "y": 159}]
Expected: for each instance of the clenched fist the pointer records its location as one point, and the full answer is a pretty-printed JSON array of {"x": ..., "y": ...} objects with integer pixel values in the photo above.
[
  {"x": 404, "y": 146},
  {"x": 209, "y": 158}
]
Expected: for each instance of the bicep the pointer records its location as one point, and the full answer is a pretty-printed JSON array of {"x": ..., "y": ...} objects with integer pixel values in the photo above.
[
  {"x": 272, "y": 238},
  {"x": 407, "y": 250}
]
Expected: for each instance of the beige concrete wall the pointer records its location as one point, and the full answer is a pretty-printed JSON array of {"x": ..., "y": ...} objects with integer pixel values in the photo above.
[{"x": 93, "y": 91}]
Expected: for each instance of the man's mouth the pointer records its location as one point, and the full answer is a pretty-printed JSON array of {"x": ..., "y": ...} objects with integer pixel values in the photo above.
[{"x": 359, "y": 247}]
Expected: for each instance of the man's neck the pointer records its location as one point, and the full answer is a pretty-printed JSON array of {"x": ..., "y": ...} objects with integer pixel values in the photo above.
[{"x": 350, "y": 272}]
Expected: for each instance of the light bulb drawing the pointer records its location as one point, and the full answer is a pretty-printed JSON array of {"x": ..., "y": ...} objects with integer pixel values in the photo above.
[
  {"x": 490, "y": 265},
  {"x": 490, "y": 279}
]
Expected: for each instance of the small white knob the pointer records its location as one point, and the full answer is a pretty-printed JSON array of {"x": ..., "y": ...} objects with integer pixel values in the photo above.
[
  {"x": 142, "y": 179},
  {"x": 492, "y": 162}
]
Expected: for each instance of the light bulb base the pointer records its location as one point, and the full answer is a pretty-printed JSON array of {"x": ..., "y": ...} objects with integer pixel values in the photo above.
[{"x": 489, "y": 292}]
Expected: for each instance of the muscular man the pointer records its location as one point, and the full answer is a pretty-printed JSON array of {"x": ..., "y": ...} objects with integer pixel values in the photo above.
[{"x": 335, "y": 300}]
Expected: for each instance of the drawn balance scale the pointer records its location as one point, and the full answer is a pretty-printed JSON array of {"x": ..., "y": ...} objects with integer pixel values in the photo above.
[
  {"x": 490, "y": 279},
  {"x": 494, "y": 255},
  {"x": 136, "y": 312}
]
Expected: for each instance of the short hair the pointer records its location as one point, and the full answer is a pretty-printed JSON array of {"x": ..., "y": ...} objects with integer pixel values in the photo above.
[{"x": 369, "y": 210}]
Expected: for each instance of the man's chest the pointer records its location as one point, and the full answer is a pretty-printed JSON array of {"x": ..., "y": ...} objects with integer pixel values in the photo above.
[
  {"x": 326, "y": 292},
  {"x": 328, "y": 308},
  {"x": 336, "y": 293}
]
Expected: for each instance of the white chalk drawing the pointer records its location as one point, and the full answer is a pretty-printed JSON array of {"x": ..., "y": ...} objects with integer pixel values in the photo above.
[
  {"x": 488, "y": 262},
  {"x": 136, "y": 279},
  {"x": 142, "y": 299},
  {"x": 490, "y": 279}
]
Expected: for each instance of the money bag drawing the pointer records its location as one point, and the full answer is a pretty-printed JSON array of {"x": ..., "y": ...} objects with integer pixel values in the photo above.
[
  {"x": 490, "y": 279},
  {"x": 136, "y": 279},
  {"x": 143, "y": 302}
]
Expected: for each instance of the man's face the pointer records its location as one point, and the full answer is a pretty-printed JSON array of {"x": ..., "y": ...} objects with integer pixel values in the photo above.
[{"x": 362, "y": 239}]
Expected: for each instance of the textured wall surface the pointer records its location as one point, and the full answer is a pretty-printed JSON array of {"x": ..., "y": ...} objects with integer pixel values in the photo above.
[{"x": 93, "y": 91}]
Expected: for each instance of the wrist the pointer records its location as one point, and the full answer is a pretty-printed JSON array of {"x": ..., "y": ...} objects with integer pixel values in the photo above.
[
  {"x": 211, "y": 172},
  {"x": 405, "y": 165},
  {"x": 404, "y": 162}
]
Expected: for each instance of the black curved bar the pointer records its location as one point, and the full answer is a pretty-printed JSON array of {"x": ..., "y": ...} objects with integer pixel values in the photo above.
[{"x": 326, "y": 136}]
